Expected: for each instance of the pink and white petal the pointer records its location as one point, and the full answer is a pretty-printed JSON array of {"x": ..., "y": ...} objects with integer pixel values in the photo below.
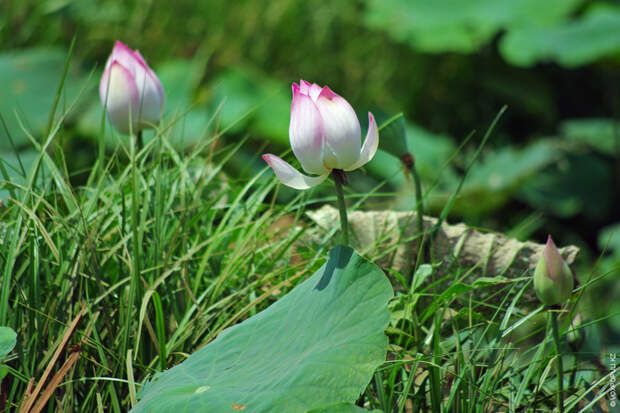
[
  {"x": 306, "y": 133},
  {"x": 108, "y": 62},
  {"x": 314, "y": 91},
  {"x": 152, "y": 103},
  {"x": 125, "y": 56},
  {"x": 151, "y": 97},
  {"x": 151, "y": 76},
  {"x": 123, "y": 99},
  {"x": 104, "y": 84},
  {"x": 138, "y": 56},
  {"x": 304, "y": 87},
  {"x": 371, "y": 143},
  {"x": 329, "y": 94},
  {"x": 341, "y": 127},
  {"x": 290, "y": 176}
]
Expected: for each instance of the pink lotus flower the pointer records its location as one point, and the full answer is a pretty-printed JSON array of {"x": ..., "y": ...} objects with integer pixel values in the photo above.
[
  {"x": 325, "y": 134},
  {"x": 130, "y": 91}
]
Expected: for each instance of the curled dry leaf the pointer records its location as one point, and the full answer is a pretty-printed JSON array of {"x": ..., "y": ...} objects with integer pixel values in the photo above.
[{"x": 391, "y": 240}]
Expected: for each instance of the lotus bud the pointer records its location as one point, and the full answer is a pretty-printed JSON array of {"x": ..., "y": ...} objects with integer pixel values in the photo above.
[
  {"x": 553, "y": 280},
  {"x": 130, "y": 91},
  {"x": 325, "y": 134}
]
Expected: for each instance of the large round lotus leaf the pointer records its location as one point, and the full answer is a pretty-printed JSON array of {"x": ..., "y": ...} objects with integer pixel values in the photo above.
[
  {"x": 30, "y": 79},
  {"x": 593, "y": 36},
  {"x": 318, "y": 345},
  {"x": 8, "y": 338},
  {"x": 457, "y": 25},
  {"x": 342, "y": 408}
]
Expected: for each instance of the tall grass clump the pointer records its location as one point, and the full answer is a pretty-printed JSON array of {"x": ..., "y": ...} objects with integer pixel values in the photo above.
[{"x": 114, "y": 278}]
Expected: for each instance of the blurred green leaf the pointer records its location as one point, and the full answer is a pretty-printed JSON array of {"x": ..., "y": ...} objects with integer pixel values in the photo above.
[
  {"x": 30, "y": 79},
  {"x": 565, "y": 190},
  {"x": 499, "y": 174},
  {"x": 599, "y": 133},
  {"x": 578, "y": 42},
  {"x": 491, "y": 181},
  {"x": 609, "y": 239},
  {"x": 8, "y": 338},
  {"x": 238, "y": 95},
  {"x": 180, "y": 80},
  {"x": 89, "y": 123},
  {"x": 457, "y": 26},
  {"x": 273, "y": 114},
  {"x": 11, "y": 163},
  {"x": 508, "y": 167},
  {"x": 388, "y": 167},
  {"x": 430, "y": 151},
  {"x": 536, "y": 100},
  {"x": 100, "y": 12},
  {"x": 251, "y": 98},
  {"x": 591, "y": 347},
  {"x": 393, "y": 135}
]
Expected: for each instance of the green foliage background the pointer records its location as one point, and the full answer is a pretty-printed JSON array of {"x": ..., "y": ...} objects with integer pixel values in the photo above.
[{"x": 552, "y": 165}]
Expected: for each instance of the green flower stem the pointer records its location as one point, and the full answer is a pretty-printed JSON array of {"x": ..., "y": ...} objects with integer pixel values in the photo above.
[
  {"x": 560, "y": 372},
  {"x": 339, "y": 179},
  {"x": 409, "y": 163},
  {"x": 140, "y": 141},
  {"x": 419, "y": 215},
  {"x": 135, "y": 276},
  {"x": 101, "y": 149}
]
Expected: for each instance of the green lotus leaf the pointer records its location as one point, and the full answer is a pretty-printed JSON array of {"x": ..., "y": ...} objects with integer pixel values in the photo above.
[
  {"x": 8, "y": 338},
  {"x": 317, "y": 346}
]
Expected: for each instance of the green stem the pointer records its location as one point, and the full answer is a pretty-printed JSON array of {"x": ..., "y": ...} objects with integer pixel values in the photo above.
[
  {"x": 409, "y": 163},
  {"x": 339, "y": 177},
  {"x": 101, "y": 152},
  {"x": 418, "y": 198},
  {"x": 419, "y": 216},
  {"x": 140, "y": 141},
  {"x": 135, "y": 276},
  {"x": 560, "y": 372}
]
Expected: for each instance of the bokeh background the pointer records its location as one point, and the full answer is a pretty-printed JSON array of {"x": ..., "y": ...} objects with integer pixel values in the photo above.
[{"x": 552, "y": 164}]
